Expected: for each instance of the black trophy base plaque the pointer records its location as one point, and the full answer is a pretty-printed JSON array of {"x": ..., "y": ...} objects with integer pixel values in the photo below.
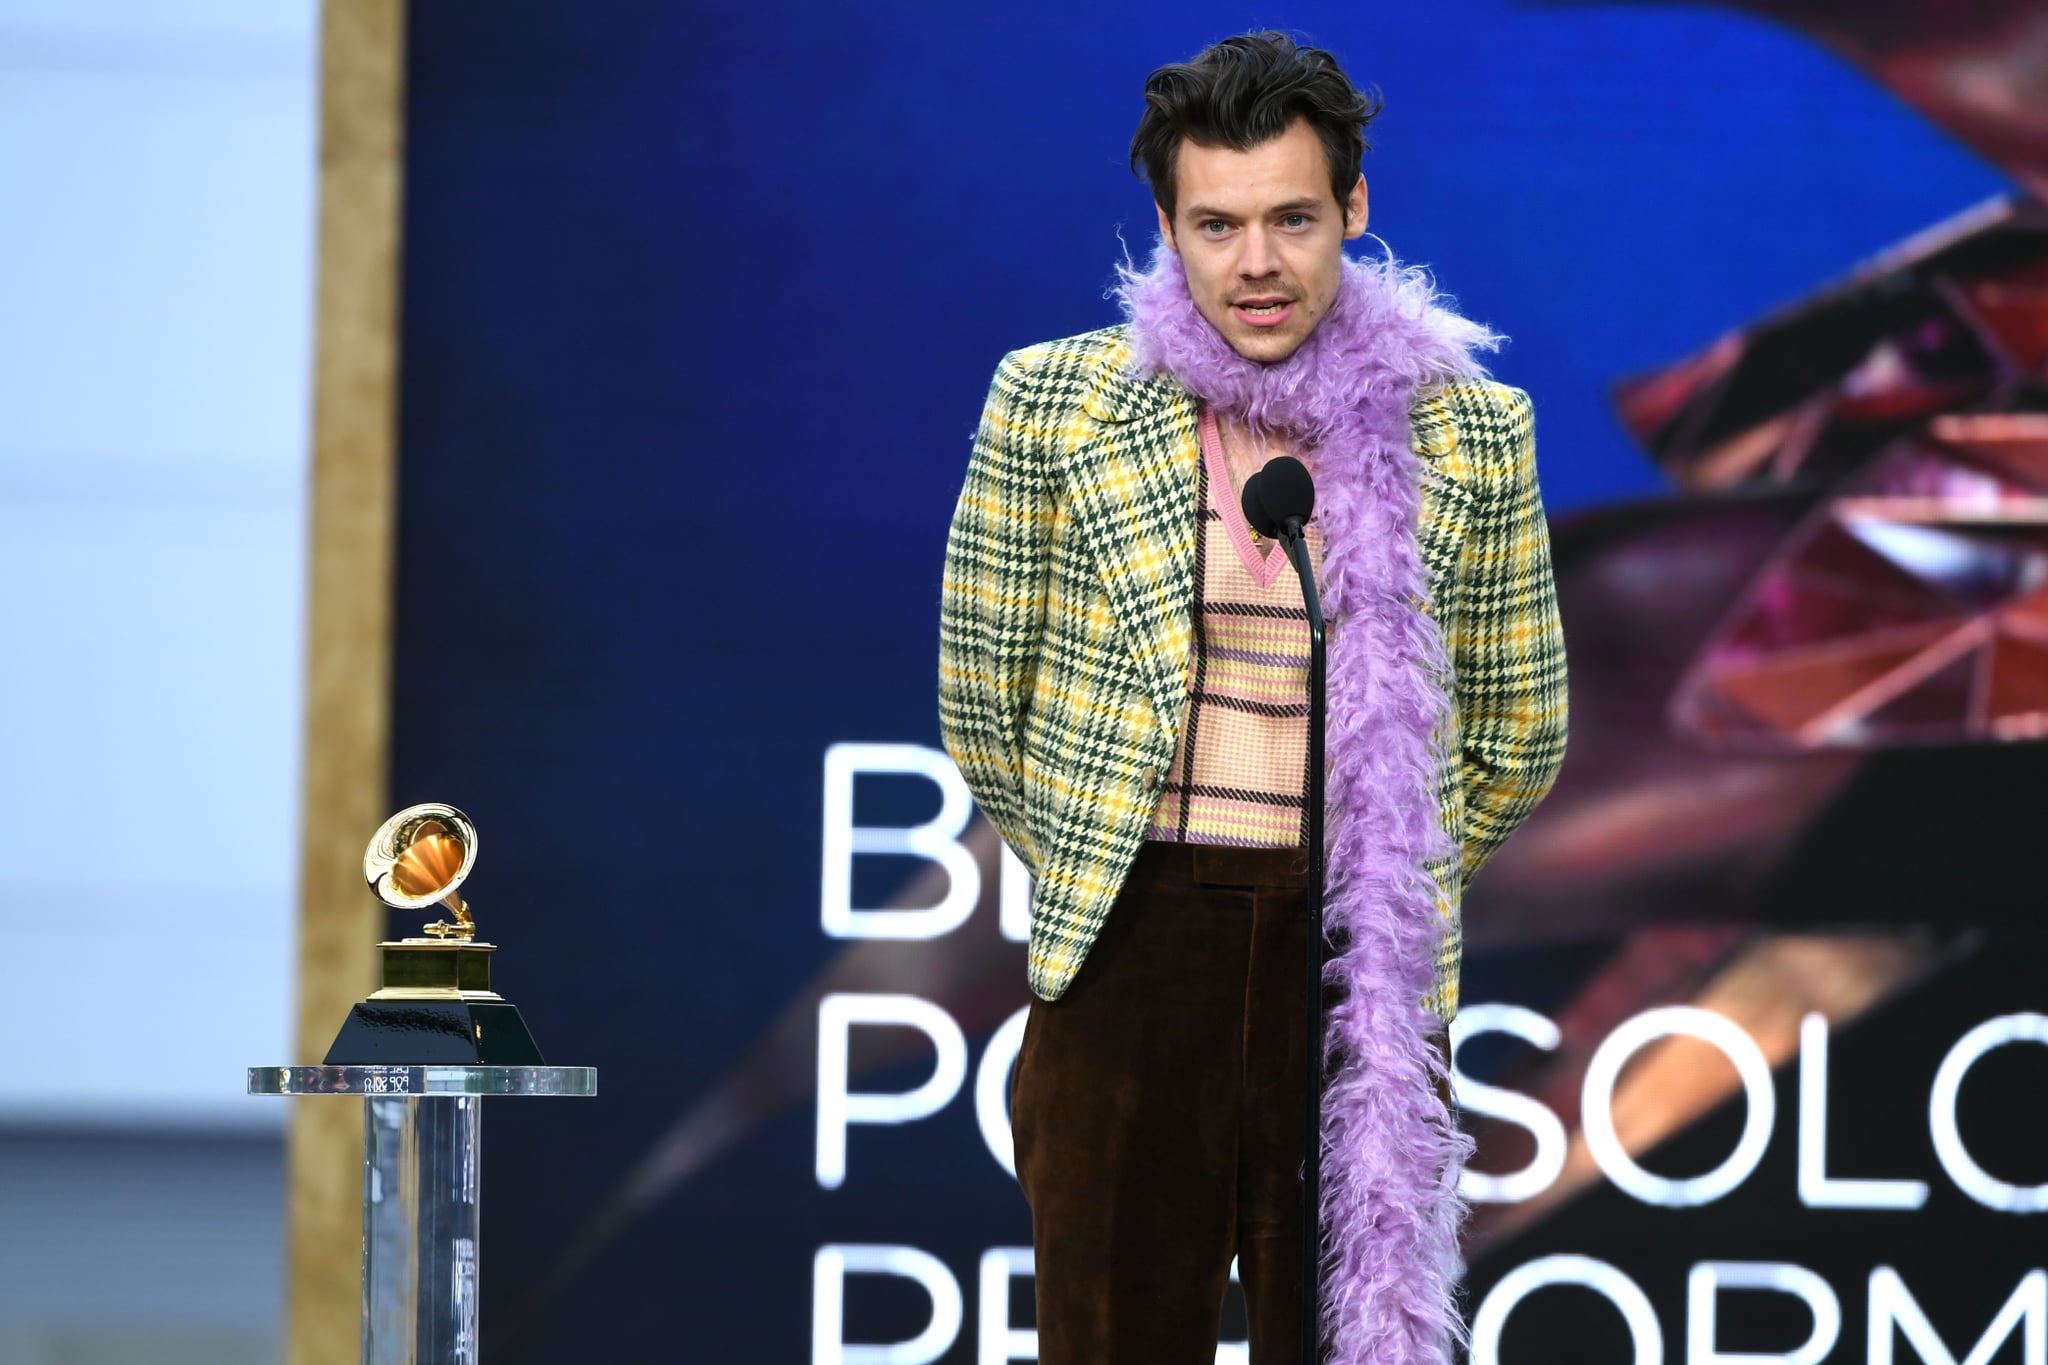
[
  {"x": 436, "y": 1008},
  {"x": 434, "y": 1033}
]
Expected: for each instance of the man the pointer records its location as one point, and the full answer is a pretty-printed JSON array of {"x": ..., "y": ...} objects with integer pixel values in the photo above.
[{"x": 1123, "y": 683}]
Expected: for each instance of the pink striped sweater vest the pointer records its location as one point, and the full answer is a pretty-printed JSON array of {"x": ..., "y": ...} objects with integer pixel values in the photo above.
[{"x": 1241, "y": 773}]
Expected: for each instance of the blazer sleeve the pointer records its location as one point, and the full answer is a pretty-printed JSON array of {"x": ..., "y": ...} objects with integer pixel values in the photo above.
[
  {"x": 1509, "y": 650},
  {"x": 993, "y": 606}
]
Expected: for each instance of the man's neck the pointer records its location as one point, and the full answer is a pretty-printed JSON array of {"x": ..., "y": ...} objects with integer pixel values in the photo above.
[{"x": 1246, "y": 454}]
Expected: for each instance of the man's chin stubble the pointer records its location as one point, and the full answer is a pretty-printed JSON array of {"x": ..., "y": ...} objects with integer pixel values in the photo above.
[{"x": 1269, "y": 354}]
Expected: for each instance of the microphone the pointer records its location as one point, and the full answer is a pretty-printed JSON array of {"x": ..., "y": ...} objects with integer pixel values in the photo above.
[
  {"x": 1255, "y": 509},
  {"x": 1276, "y": 501},
  {"x": 1279, "y": 498}
]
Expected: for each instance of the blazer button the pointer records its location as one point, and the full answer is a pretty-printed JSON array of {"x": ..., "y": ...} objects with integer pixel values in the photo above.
[{"x": 1150, "y": 777}]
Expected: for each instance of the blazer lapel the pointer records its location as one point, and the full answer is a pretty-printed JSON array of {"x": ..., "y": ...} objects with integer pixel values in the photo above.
[
  {"x": 1448, "y": 506},
  {"x": 1130, "y": 482},
  {"x": 1436, "y": 435}
]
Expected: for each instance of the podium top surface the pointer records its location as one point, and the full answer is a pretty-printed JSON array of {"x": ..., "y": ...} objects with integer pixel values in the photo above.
[{"x": 424, "y": 1081}]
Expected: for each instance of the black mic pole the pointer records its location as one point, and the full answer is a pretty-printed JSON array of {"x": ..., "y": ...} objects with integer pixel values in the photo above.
[
  {"x": 1312, "y": 1157},
  {"x": 1299, "y": 497}
]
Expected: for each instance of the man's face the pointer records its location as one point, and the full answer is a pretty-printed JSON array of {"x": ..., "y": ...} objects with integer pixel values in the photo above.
[{"x": 1262, "y": 239}]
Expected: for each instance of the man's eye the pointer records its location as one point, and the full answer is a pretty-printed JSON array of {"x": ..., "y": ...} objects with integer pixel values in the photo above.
[
  {"x": 1296, "y": 220},
  {"x": 1215, "y": 226}
]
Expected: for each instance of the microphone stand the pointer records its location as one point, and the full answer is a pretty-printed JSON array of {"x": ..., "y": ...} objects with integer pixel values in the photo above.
[{"x": 1312, "y": 1158}]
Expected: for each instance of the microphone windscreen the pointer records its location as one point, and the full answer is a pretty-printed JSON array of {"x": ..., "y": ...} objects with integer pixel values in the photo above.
[
  {"x": 1286, "y": 490},
  {"x": 1255, "y": 509}
]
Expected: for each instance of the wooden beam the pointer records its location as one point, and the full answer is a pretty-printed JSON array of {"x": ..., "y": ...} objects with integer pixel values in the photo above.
[{"x": 348, "y": 665}]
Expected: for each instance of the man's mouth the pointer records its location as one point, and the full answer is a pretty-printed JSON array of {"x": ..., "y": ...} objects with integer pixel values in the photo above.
[{"x": 1263, "y": 310}]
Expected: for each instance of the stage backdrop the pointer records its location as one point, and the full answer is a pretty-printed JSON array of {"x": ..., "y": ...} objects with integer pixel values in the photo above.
[{"x": 700, "y": 303}]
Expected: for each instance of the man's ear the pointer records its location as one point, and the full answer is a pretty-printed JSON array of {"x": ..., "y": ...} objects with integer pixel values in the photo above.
[
  {"x": 1357, "y": 209},
  {"x": 1166, "y": 227}
]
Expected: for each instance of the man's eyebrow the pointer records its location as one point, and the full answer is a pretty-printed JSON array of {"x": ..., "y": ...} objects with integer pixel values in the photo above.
[{"x": 1204, "y": 211}]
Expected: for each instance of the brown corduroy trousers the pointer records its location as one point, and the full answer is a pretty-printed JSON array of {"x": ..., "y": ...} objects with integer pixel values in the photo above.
[{"x": 1157, "y": 1111}]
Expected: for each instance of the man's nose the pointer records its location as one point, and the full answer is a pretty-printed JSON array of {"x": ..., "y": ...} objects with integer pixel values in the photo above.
[{"x": 1257, "y": 259}]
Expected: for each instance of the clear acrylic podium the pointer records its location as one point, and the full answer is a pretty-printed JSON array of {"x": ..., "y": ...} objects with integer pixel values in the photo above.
[{"x": 421, "y": 1161}]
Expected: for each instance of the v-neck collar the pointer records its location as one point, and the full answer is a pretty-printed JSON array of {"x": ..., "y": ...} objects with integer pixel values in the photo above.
[{"x": 1264, "y": 569}]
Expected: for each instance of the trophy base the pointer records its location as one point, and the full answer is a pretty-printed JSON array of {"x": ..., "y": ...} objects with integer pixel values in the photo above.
[{"x": 434, "y": 1033}]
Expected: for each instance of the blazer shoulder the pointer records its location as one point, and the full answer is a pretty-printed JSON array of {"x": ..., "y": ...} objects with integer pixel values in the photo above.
[
  {"x": 1487, "y": 423},
  {"x": 1487, "y": 410},
  {"x": 1048, "y": 367},
  {"x": 1078, "y": 383},
  {"x": 1040, "y": 398}
]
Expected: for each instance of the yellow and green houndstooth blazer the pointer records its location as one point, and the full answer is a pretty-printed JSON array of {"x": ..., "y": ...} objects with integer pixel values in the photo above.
[{"x": 1067, "y": 624}]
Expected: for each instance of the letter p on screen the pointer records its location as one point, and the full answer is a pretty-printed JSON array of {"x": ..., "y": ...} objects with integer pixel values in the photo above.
[{"x": 838, "y": 1108}]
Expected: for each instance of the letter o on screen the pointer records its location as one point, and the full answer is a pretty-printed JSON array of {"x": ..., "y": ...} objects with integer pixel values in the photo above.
[
  {"x": 1962, "y": 1168},
  {"x": 1597, "y": 1105},
  {"x": 1598, "y": 1276},
  {"x": 992, "y": 1089}
]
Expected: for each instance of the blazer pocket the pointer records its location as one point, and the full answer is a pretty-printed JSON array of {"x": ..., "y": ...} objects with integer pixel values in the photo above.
[{"x": 1044, "y": 781}]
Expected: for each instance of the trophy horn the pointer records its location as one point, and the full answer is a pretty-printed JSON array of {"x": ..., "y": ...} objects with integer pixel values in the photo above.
[{"x": 418, "y": 857}]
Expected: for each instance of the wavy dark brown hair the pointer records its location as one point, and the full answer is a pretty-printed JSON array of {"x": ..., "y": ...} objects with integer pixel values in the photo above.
[{"x": 1242, "y": 92}]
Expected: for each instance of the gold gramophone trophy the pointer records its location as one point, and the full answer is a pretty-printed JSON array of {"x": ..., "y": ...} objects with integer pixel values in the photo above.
[
  {"x": 436, "y": 1006},
  {"x": 422, "y": 1054}
]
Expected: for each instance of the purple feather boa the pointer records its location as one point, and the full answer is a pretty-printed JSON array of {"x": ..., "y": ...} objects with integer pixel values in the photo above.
[{"x": 1391, "y": 1155}]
